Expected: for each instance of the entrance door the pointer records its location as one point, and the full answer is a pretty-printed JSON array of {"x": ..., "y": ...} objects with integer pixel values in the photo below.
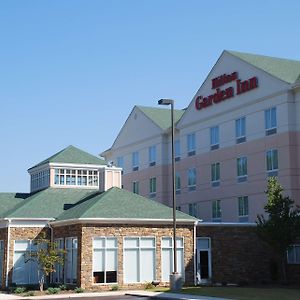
[{"x": 203, "y": 260}]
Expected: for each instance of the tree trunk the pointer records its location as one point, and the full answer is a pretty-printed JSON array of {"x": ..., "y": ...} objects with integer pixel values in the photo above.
[
  {"x": 42, "y": 280},
  {"x": 283, "y": 268}
]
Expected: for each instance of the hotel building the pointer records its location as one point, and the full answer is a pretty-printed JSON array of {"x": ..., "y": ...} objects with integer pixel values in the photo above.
[{"x": 242, "y": 126}]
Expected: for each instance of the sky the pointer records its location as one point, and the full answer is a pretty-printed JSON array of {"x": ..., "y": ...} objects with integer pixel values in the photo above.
[{"x": 72, "y": 70}]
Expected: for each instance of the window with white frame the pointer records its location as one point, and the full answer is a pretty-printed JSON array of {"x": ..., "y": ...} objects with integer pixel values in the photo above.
[
  {"x": 58, "y": 275},
  {"x": 192, "y": 179},
  {"x": 293, "y": 254},
  {"x": 191, "y": 144},
  {"x": 216, "y": 211},
  {"x": 177, "y": 150},
  {"x": 270, "y": 121},
  {"x": 152, "y": 187},
  {"x": 193, "y": 209},
  {"x": 76, "y": 177},
  {"x": 152, "y": 156},
  {"x": 105, "y": 260},
  {"x": 242, "y": 172},
  {"x": 215, "y": 174},
  {"x": 167, "y": 262},
  {"x": 177, "y": 183},
  {"x": 135, "y": 187},
  {"x": 214, "y": 138},
  {"x": 135, "y": 161},
  {"x": 272, "y": 162},
  {"x": 40, "y": 180},
  {"x": 243, "y": 208},
  {"x": 1, "y": 259},
  {"x": 71, "y": 260},
  {"x": 24, "y": 273},
  {"x": 139, "y": 259},
  {"x": 240, "y": 130}
]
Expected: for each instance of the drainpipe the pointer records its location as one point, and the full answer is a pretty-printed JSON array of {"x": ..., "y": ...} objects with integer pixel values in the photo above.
[
  {"x": 195, "y": 252},
  {"x": 7, "y": 254}
]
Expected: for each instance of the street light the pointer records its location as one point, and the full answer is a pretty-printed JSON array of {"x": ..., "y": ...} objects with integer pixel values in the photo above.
[{"x": 175, "y": 278}]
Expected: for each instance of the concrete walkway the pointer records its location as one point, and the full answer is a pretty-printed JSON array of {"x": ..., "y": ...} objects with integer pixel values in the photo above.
[{"x": 138, "y": 293}]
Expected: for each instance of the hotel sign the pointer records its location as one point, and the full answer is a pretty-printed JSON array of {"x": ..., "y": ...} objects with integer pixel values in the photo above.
[{"x": 220, "y": 94}]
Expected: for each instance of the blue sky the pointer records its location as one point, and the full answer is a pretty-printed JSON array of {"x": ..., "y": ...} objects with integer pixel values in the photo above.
[{"x": 71, "y": 71}]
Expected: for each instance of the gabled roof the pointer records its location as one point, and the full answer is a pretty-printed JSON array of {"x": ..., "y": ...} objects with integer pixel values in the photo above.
[
  {"x": 48, "y": 203},
  {"x": 161, "y": 116},
  {"x": 121, "y": 204},
  {"x": 72, "y": 155},
  {"x": 9, "y": 200},
  {"x": 284, "y": 69}
]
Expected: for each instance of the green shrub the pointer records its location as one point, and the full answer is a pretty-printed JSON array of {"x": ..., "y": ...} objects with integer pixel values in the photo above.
[
  {"x": 19, "y": 290},
  {"x": 78, "y": 290},
  {"x": 115, "y": 287},
  {"x": 53, "y": 290},
  {"x": 29, "y": 294},
  {"x": 148, "y": 286},
  {"x": 63, "y": 287}
]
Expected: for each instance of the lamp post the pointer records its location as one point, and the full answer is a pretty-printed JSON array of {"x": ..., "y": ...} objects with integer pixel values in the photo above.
[{"x": 175, "y": 278}]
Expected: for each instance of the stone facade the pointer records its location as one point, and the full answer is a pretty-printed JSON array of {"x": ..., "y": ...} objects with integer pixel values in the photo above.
[
  {"x": 85, "y": 234},
  {"x": 3, "y": 237}
]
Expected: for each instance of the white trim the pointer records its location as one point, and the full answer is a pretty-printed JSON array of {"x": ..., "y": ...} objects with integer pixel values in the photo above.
[
  {"x": 72, "y": 165},
  {"x": 195, "y": 253},
  {"x": 7, "y": 253},
  {"x": 226, "y": 224}
]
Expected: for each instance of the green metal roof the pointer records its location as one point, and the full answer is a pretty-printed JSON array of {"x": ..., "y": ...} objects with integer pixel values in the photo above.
[
  {"x": 284, "y": 69},
  {"x": 161, "y": 116},
  {"x": 48, "y": 203},
  {"x": 72, "y": 155},
  {"x": 9, "y": 200},
  {"x": 121, "y": 204}
]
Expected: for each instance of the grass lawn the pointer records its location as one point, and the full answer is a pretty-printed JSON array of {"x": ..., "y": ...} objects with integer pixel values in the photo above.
[{"x": 245, "y": 293}]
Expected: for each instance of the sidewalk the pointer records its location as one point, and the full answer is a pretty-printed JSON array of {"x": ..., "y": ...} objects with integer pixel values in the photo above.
[{"x": 138, "y": 293}]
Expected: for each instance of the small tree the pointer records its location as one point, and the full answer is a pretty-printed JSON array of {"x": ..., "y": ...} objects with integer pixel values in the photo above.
[
  {"x": 46, "y": 256},
  {"x": 283, "y": 225}
]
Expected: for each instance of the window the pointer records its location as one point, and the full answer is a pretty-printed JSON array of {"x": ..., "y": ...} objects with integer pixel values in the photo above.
[
  {"x": 240, "y": 130},
  {"x": 243, "y": 208},
  {"x": 40, "y": 180},
  {"x": 177, "y": 183},
  {"x": 71, "y": 260},
  {"x": 293, "y": 254},
  {"x": 214, "y": 138},
  {"x": 178, "y": 208},
  {"x": 167, "y": 257},
  {"x": 177, "y": 150},
  {"x": 58, "y": 275},
  {"x": 152, "y": 156},
  {"x": 135, "y": 187},
  {"x": 152, "y": 187},
  {"x": 216, "y": 211},
  {"x": 270, "y": 121},
  {"x": 192, "y": 179},
  {"x": 135, "y": 161},
  {"x": 241, "y": 168},
  {"x": 191, "y": 144},
  {"x": 139, "y": 259},
  {"x": 215, "y": 174},
  {"x": 193, "y": 209},
  {"x": 1, "y": 259},
  {"x": 272, "y": 162},
  {"x": 24, "y": 273},
  {"x": 105, "y": 260},
  {"x": 76, "y": 177},
  {"x": 120, "y": 163}
]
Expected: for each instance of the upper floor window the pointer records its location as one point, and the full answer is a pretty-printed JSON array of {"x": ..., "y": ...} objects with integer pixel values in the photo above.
[
  {"x": 240, "y": 130},
  {"x": 135, "y": 187},
  {"x": 152, "y": 187},
  {"x": 191, "y": 144},
  {"x": 193, "y": 209},
  {"x": 241, "y": 168},
  {"x": 192, "y": 174},
  {"x": 152, "y": 156},
  {"x": 216, "y": 211},
  {"x": 293, "y": 254},
  {"x": 135, "y": 161},
  {"x": 270, "y": 121},
  {"x": 215, "y": 174},
  {"x": 214, "y": 138},
  {"x": 243, "y": 208},
  {"x": 40, "y": 180},
  {"x": 177, "y": 150},
  {"x": 74, "y": 177},
  {"x": 177, "y": 183},
  {"x": 272, "y": 162},
  {"x": 120, "y": 162}
]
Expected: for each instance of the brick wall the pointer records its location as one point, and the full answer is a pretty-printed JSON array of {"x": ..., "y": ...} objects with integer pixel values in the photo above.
[{"x": 87, "y": 232}]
